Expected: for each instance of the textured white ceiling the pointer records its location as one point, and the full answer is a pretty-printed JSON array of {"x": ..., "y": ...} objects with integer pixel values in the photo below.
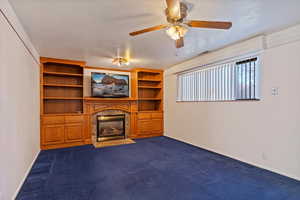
[{"x": 92, "y": 30}]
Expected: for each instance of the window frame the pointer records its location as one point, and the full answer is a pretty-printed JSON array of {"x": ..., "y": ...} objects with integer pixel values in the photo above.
[{"x": 207, "y": 67}]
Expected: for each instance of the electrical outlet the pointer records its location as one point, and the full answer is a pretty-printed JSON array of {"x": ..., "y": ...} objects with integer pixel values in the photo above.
[{"x": 275, "y": 91}]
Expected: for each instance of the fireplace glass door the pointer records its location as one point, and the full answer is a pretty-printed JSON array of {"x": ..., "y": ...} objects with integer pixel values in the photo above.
[{"x": 110, "y": 127}]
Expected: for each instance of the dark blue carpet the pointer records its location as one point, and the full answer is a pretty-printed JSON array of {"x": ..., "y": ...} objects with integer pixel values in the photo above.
[{"x": 152, "y": 169}]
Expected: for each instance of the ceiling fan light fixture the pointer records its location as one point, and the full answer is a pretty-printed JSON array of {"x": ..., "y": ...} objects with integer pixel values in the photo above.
[
  {"x": 120, "y": 61},
  {"x": 176, "y": 31}
]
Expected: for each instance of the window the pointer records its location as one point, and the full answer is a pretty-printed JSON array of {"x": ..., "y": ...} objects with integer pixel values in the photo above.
[{"x": 223, "y": 82}]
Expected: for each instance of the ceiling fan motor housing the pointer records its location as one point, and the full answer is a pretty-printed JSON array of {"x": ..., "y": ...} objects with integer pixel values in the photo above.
[{"x": 183, "y": 14}]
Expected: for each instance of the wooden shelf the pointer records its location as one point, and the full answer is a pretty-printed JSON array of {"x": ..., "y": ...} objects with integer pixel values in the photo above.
[
  {"x": 62, "y": 85},
  {"x": 149, "y": 99},
  {"x": 63, "y": 98},
  {"x": 150, "y": 87},
  {"x": 63, "y": 114},
  {"x": 150, "y": 90},
  {"x": 108, "y": 99},
  {"x": 149, "y": 79},
  {"x": 63, "y": 74},
  {"x": 150, "y": 111}
]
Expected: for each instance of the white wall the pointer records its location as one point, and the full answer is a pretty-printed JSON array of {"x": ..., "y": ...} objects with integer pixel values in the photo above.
[
  {"x": 19, "y": 104},
  {"x": 264, "y": 133}
]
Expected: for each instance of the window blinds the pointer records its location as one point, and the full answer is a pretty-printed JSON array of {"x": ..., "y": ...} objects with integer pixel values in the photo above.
[{"x": 222, "y": 82}]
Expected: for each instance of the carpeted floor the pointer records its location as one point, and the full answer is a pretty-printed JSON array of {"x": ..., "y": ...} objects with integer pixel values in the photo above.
[{"x": 151, "y": 169}]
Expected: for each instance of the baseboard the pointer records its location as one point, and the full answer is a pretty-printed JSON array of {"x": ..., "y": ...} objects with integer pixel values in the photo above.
[
  {"x": 242, "y": 160},
  {"x": 254, "y": 164},
  {"x": 25, "y": 176}
]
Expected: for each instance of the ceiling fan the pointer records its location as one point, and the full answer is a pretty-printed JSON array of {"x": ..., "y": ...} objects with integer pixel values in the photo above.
[
  {"x": 121, "y": 60},
  {"x": 176, "y": 13}
]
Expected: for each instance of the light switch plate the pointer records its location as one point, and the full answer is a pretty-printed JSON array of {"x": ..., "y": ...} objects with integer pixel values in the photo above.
[{"x": 275, "y": 91}]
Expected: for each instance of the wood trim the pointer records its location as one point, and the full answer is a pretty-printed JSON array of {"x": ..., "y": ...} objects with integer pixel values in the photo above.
[
  {"x": 63, "y": 98},
  {"x": 64, "y": 145},
  {"x": 62, "y": 74},
  {"x": 148, "y": 135},
  {"x": 134, "y": 84},
  {"x": 94, "y": 107},
  {"x": 41, "y": 102},
  {"x": 62, "y": 61},
  {"x": 149, "y": 79},
  {"x": 151, "y": 111},
  {"x": 108, "y": 99},
  {"x": 41, "y": 88},
  {"x": 151, "y": 87},
  {"x": 107, "y": 68},
  {"x": 162, "y": 93},
  {"x": 61, "y": 114},
  {"x": 62, "y": 85},
  {"x": 140, "y": 69},
  {"x": 150, "y": 99}
]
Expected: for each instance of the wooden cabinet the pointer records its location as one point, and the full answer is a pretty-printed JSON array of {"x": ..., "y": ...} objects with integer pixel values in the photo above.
[
  {"x": 150, "y": 103},
  {"x": 144, "y": 116},
  {"x": 53, "y": 120},
  {"x": 74, "y": 132},
  {"x": 53, "y": 134},
  {"x": 150, "y": 89},
  {"x": 144, "y": 127},
  {"x": 150, "y": 124},
  {"x": 66, "y": 115},
  {"x": 157, "y": 126},
  {"x": 74, "y": 119},
  {"x": 62, "y": 131},
  {"x": 61, "y": 86}
]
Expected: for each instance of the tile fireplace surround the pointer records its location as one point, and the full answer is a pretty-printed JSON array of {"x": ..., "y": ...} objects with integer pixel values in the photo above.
[{"x": 95, "y": 107}]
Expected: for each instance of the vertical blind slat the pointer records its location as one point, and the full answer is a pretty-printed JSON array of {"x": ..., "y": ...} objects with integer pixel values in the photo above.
[{"x": 229, "y": 81}]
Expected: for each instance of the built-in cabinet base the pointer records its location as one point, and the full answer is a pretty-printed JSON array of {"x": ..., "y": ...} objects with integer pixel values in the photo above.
[
  {"x": 149, "y": 124},
  {"x": 63, "y": 131},
  {"x": 66, "y": 115}
]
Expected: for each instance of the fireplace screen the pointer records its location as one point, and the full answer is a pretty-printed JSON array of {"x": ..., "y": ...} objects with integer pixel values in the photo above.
[{"x": 110, "y": 127}]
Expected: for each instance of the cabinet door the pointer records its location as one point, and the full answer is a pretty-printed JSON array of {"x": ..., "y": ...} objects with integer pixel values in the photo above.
[
  {"x": 158, "y": 115},
  {"x": 47, "y": 120},
  {"x": 53, "y": 134},
  {"x": 144, "y": 127},
  {"x": 74, "y": 132},
  {"x": 148, "y": 127},
  {"x": 157, "y": 126}
]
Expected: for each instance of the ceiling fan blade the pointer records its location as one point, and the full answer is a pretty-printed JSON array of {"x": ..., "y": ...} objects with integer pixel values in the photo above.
[
  {"x": 154, "y": 28},
  {"x": 209, "y": 24},
  {"x": 179, "y": 43},
  {"x": 173, "y": 7}
]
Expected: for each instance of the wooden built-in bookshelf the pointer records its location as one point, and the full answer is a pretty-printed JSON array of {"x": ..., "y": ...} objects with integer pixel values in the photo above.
[
  {"x": 62, "y": 87},
  {"x": 66, "y": 114},
  {"x": 150, "y": 90}
]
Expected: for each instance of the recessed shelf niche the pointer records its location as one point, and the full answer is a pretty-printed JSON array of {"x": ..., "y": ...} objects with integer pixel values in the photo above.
[
  {"x": 150, "y": 90},
  {"x": 62, "y": 88}
]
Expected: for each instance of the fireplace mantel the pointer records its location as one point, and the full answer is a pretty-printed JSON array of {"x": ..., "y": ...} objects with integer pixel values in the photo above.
[
  {"x": 108, "y": 99},
  {"x": 95, "y": 105}
]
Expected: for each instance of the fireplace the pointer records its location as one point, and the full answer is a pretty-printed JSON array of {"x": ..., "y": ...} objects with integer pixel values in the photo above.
[{"x": 110, "y": 127}]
